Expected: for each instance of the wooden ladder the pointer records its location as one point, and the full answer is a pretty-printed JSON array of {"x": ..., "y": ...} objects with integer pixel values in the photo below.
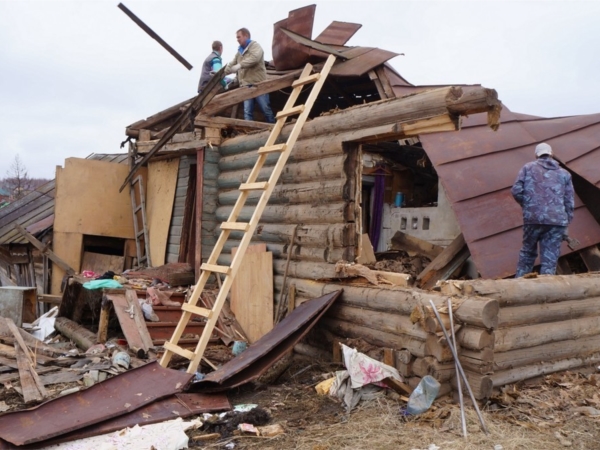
[
  {"x": 140, "y": 227},
  {"x": 232, "y": 224}
]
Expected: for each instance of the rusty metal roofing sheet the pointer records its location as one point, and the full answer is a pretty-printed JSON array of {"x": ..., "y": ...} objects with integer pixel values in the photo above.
[
  {"x": 360, "y": 64},
  {"x": 478, "y": 166},
  {"x": 338, "y": 33},
  {"x": 261, "y": 355},
  {"x": 288, "y": 54},
  {"x": 178, "y": 405},
  {"x": 114, "y": 397}
]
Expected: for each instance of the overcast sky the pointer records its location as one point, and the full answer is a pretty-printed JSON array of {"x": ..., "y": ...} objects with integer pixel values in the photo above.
[{"x": 74, "y": 74}]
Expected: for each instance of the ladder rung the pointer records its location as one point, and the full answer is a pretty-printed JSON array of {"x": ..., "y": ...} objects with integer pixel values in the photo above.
[
  {"x": 204, "y": 312},
  {"x": 290, "y": 112},
  {"x": 309, "y": 79},
  {"x": 141, "y": 233},
  {"x": 215, "y": 268},
  {"x": 180, "y": 351},
  {"x": 272, "y": 148},
  {"x": 138, "y": 208},
  {"x": 261, "y": 186},
  {"x": 237, "y": 226}
]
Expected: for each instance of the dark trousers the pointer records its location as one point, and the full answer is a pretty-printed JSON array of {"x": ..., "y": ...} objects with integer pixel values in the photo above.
[{"x": 549, "y": 238}]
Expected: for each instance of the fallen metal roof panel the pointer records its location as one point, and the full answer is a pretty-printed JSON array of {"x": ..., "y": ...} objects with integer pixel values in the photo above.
[
  {"x": 178, "y": 405},
  {"x": 261, "y": 355},
  {"x": 114, "y": 397},
  {"x": 477, "y": 167},
  {"x": 288, "y": 54},
  {"x": 338, "y": 33}
]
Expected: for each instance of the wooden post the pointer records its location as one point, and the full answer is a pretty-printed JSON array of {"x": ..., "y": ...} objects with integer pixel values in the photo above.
[
  {"x": 199, "y": 208},
  {"x": 103, "y": 322}
]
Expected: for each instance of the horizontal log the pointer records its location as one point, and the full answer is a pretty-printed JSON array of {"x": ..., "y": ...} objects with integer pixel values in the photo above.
[
  {"x": 437, "y": 347},
  {"x": 431, "y": 366},
  {"x": 423, "y": 105},
  {"x": 307, "y": 270},
  {"x": 307, "y": 149},
  {"x": 228, "y": 122},
  {"x": 481, "y": 385},
  {"x": 546, "y": 352},
  {"x": 300, "y": 172},
  {"x": 529, "y": 291},
  {"x": 329, "y": 235},
  {"x": 513, "y": 338},
  {"x": 306, "y": 214},
  {"x": 547, "y": 312},
  {"x": 375, "y": 337},
  {"x": 144, "y": 147},
  {"x": 475, "y": 338},
  {"x": 312, "y": 352},
  {"x": 324, "y": 191},
  {"x": 390, "y": 323},
  {"x": 504, "y": 377},
  {"x": 78, "y": 334}
]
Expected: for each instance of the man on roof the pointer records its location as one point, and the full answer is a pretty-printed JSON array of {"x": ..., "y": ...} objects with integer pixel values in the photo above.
[
  {"x": 211, "y": 64},
  {"x": 545, "y": 192},
  {"x": 249, "y": 64}
]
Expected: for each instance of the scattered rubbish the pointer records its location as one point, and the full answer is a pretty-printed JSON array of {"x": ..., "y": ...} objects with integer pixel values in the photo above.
[
  {"x": 4, "y": 406},
  {"x": 498, "y": 447},
  {"x": 248, "y": 428},
  {"x": 169, "y": 435},
  {"x": 121, "y": 359},
  {"x": 95, "y": 349},
  {"x": 423, "y": 396},
  {"x": 324, "y": 387},
  {"x": 45, "y": 324},
  {"x": 69, "y": 391},
  {"x": 226, "y": 424},
  {"x": 270, "y": 430},
  {"x": 238, "y": 347},
  {"x": 198, "y": 376},
  {"x": 102, "y": 284},
  {"x": 245, "y": 407},
  {"x": 148, "y": 312}
]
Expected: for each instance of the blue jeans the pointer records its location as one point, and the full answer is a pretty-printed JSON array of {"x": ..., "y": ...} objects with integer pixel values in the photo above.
[
  {"x": 550, "y": 238},
  {"x": 263, "y": 103}
]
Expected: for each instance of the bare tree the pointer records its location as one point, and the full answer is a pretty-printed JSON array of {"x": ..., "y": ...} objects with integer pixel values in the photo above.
[{"x": 17, "y": 181}]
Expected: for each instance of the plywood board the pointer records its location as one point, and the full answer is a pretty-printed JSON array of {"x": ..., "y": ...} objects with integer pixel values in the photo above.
[
  {"x": 235, "y": 293},
  {"x": 160, "y": 195},
  {"x": 68, "y": 246},
  {"x": 131, "y": 319},
  {"x": 99, "y": 263},
  {"x": 252, "y": 293},
  {"x": 88, "y": 200}
]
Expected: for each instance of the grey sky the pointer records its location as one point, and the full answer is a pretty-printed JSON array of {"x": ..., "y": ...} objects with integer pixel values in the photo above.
[{"x": 75, "y": 73}]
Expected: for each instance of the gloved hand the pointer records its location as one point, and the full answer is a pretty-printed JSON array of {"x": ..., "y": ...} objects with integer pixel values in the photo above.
[{"x": 235, "y": 68}]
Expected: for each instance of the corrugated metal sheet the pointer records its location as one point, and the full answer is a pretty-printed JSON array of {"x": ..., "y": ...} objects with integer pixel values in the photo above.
[
  {"x": 478, "y": 166},
  {"x": 287, "y": 54},
  {"x": 174, "y": 238},
  {"x": 338, "y": 33}
]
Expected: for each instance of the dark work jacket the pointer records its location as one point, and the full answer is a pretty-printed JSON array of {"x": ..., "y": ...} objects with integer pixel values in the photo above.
[
  {"x": 207, "y": 68},
  {"x": 545, "y": 192}
]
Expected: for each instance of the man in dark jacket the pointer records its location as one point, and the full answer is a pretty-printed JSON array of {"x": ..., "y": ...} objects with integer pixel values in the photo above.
[
  {"x": 545, "y": 192},
  {"x": 211, "y": 64}
]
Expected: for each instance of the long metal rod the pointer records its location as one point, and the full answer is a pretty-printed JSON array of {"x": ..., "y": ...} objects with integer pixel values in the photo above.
[
  {"x": 462, "y": 372},
  {"x": 458, "y": 383},
  {"x": 154, "y": 36}
]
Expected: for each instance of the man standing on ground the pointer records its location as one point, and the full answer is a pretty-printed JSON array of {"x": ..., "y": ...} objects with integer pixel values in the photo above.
[
  {"x": 249, "y": 64},
  {"x": 211, "y": 64},
  {"x": 545, "y": 192}
]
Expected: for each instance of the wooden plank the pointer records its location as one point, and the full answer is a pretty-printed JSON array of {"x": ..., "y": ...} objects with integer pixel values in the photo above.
[
  {"x": 50, "y": 299},
  {"x": 45, "y": 250},
  {"x": 252, "y": 292},
  {"x": 131, "y": 319},
  {"x": 32, "y": 387},
  {"x": 9, "y": 377},
  {"x": 367, "y": 255},
  {"x": 403, "y": 241},
  {"x": 199, "y": 207},
  {"x": 227, "y": 99},
  {"x": 445, "y": 263},
  {"x": 99, "y": 263},
  {"x": 160, "y": 196},
  {"x": 591, "y": 258},
  {"x": 227, "y": 122},
  {"x": 385, "y": 82}
]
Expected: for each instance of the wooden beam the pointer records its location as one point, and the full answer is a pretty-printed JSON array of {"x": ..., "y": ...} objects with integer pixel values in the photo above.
[
  {"x": 236, "y": 96},
  {"x": 198, "y": 211},
  {"x": 197, "y": 104},
  {"x": 42, "y": 248},
  {"x": 385, "y": 82},
  {"x": 227, "y": 122},
  {"x": 373, "y": 77},
  {"x": 50, "y": 299},
  {"x": 155, "y": 36},
  {"x": 403, "y": 241},
  {"x": 591, "y": 258},
  {"x": 445, "y": 264}
]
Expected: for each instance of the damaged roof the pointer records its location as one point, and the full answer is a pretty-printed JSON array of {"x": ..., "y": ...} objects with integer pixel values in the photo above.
[{"x": 477, "y": 167}]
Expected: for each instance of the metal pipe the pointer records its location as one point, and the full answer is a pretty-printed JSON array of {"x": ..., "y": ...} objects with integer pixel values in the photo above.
[
  {"x": 458, "y": 383},
  {"x": 462, "y": 372}
]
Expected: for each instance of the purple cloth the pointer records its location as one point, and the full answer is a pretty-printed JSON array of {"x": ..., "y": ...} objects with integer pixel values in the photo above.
[{"x": 376, "y": 217}]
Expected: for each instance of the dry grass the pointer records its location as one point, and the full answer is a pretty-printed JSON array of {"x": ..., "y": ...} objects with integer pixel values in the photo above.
[{"x": 541, "y": 416}]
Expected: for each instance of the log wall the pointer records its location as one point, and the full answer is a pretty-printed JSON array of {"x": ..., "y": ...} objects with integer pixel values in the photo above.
[{"x": 546, "y": 324}]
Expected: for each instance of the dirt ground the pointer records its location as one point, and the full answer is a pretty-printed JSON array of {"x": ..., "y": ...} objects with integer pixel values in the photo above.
[{"x": 556, "y": 412}]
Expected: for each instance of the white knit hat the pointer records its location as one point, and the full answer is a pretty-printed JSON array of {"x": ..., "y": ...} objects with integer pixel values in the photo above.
[{"x": 543, "y": 149}]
